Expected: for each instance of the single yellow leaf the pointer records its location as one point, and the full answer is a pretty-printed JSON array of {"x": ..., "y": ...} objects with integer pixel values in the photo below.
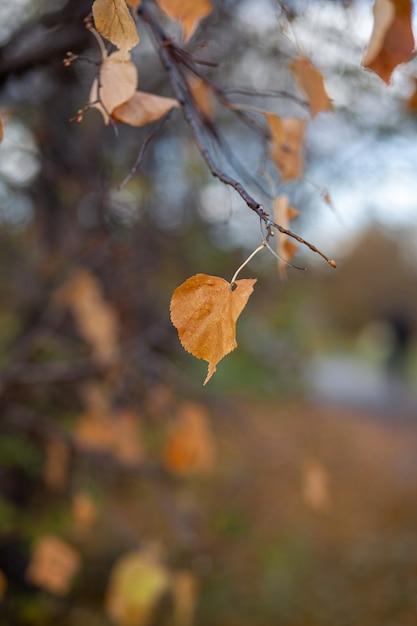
[
  {"x": 53, "y": 565},
  {"x": 113, "y": 21},
  {"x": 190, "y": 445},
  {"x": 118, "y": 82},
  {"x": 287, "y": 145},
  {"x": 204, "y": 310},
  {"x": 311, "y": 81},
  {"x": 143, "y": 108},
  {"x": 137, "y": 583},
  {"x": 188, "y": 12},
  {"x": 392, "y": 40},
  {"x": 286, "y": 248}
]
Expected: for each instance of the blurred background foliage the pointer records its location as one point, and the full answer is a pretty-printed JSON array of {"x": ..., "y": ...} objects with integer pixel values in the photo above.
[{"x": 285, "y": 491}]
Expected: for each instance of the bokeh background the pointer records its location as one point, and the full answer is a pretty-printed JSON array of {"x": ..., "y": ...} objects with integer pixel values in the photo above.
[{"x": 283, "y": 492}]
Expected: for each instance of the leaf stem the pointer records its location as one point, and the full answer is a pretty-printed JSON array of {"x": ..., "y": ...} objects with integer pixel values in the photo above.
[{"x": 250, "y": 257}]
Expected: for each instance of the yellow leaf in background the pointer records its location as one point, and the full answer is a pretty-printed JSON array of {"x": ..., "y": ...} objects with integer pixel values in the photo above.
[
  {"x": 94, "y": 317},
  {"x": 392, "y": 40},
  {"x": 203, "y": 96},
  {"x": 137, "y": 583},
  {"x": 190, "y": 445},
  {"x": 113, "y": 21},
  {"x": 188, "y": 12},
  {"x": 118, "y": 82},
  {"x": 287, "y": 145},
  {"x": 184, "y": 591},
  {"x": 311, "y": 82},
  {"x": 204, "y": 310},
  {"x": 53, "y": 565},
  {"x": 143, "y": 108},
  {"x": 316, "y": 486},
  {"x": 286, "y": 248}
]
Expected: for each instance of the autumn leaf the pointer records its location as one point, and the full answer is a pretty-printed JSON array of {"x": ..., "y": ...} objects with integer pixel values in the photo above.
[
  {"x": 311, "y": 82},
  {"x": 137, "y": 582},
  {"x": 287, "y": 145},
  {"x": 143, "y": 108},
  {"x": 188, "y": 12},
  {"x": 190, "y": 445},
  {"x": 118, "y": 82},
  {"x": 113, "y": 21},
  {"x": 286, "y": 248},
  {"x": 204, "y": 310},
  {"x": 53, "y": 565},
  {"x": 392, "y": 40}
]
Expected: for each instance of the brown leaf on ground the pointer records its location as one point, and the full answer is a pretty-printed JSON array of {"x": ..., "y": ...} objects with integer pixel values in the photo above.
[
  {"x": 204, "y": 310},
  {"x": 287, "y": 145},
  {"x": 53, "y": 565},
  {"x": 113, "y": 21},
  {"x": 392, "y": 40},
  {"x": 311, "y": 82},
  {"x": 118, "y": 82},
  {"x": 190, "y": 446},
  {"x": 188, "y": 12},
  {"x": 143, "y": 108}
]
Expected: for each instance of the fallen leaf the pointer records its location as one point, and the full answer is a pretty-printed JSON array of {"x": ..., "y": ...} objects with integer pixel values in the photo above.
[
  {"x": 94, "y": 317},
  {"x": 286, "y": 248},
  {"x": 311, "y": 82},
  {"x": 118, "y": 82},
  {"x": 392, "y": 40},
  {"x": 53, "y": 565},
  {"x": 203, "y": 96},
  {"x": 190, "y": 445},
  {"x": 113, "y": 21},
  {"x": 137, "y": 583},
  {"x": 204, "y": 310},
  {"x": 287, "y": 145},
  {"x": 188, "y": 12},
  {"x": 143, "y": 108},
  {"x": 184, "y": 591}
]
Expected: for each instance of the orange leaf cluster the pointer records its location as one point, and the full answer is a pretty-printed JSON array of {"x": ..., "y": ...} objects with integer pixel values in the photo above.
[
  {"x": 188, "y": 12},
  {"x": 204, "y": 310},
  {"x": 392, "y": 40},
  {"x": 286, "y": 248}
]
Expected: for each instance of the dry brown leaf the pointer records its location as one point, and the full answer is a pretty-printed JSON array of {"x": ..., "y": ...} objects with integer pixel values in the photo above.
[
  {"x": 287, "y": 145},
  {"x": 392, "y": 40},
  {"x": 188, "y": 12},
  {"x": 316, "y": 486},
  {"x": 143, "y": 108},
  {"x": 286, "y": 248},
  {"x": 311, "y": 82},
  {"x": 55, "y": 472},
  {"x": 95, "y": 318},
  {"x": 190, "y": 446},
  {"x": 184, "y": 591},
  {"x": 203, "y": 96},
  {"x": 204, "y": 310},
  {"x": 113, "y": 21},
  {"x": 118, "y": 82},
  {"x": 53, "y": 565},
  {"x": 137, "y": 583}
]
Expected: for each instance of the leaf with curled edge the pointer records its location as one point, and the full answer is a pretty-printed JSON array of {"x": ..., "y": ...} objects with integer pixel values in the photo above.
[
  {"x": 113, "y": 21},
  {"x": 204, "y": 310},
  {"x": 118, "y": 82}
]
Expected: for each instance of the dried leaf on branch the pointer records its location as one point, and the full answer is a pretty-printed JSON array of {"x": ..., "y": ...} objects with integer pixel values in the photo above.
[
  {"x": 143, "y": 108},
  {"x": 118, "y": 82},
  {"x": 204, "y": 310},
  {"x": 286, "y": 248},
  {"x": 392, "y": 40},
  {"x": 113, "y": 21},
  {"x": 311, "y": 82},
  {"x": 287, "y": 145},
  {"x": 188, "y": 12}
]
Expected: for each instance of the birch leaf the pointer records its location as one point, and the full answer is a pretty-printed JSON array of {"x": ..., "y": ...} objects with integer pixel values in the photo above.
[
  {"x": 113, "y": 21},
  {"x": 188, "y": 12},
  {"x": 118, "y": 80},
  {"x": 392, "y": 41},
  {"x": 143, "y": 108},
  {"x": 311, "y": 82},
  {"x": 287, "y": 145},
  {"x": 204, "y": 310}
]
